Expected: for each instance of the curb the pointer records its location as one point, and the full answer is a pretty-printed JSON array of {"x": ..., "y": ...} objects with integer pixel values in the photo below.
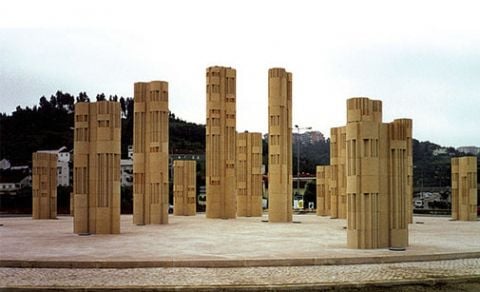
[{"x": 234, "y": 263}]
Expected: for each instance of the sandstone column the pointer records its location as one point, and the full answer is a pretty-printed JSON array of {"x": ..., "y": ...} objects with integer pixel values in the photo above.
[
  {"x": 399, "y": 194},
  {"x": 464, "y": 188},
  {"x": 322, "y": 187},
  {"x": 221, "y": 143},
  {"x": 337, "y": 162},
  {"x": 96, "y": 175},
  {"x": 184, "y": 187},
  {"x": 249, "y": 174},
  {"x": 150, "y": 153},
  {"x": 280, "y": 145},
  {"x": 367, "y": 206},
  {"x": 44, "y": 185}
]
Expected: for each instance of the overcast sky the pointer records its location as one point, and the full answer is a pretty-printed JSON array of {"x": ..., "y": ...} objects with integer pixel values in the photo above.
[{"x": 421, "y": 58}]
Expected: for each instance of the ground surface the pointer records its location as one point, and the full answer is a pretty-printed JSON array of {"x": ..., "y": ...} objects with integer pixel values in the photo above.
[{"x": 242, "y": 253}]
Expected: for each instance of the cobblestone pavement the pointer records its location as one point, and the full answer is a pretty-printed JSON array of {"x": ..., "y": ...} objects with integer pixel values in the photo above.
[{"x": 258, "y": 277}]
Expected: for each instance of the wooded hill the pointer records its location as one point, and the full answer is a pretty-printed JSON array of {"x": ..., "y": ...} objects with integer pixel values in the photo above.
[{"x": 50, "y": 126}]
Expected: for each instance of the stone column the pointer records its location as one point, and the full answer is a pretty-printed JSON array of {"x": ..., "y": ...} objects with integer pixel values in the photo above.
[
  {"x": 464, "y": 188},
  {"x": 280, "y": 145},
  {"x": 44, "y": 185},
  {"x": 322, "y": 187},
  {"x": 339, "y": 179},
  {"x": 341, "y": 174},
  {"x": 398, "y": 183},
  {"x": 249, "y": 174},
  {"x": 150, "y": 153},
  {"x": 221, "y": 143},
  {"x": 96, "y": 175},
  {"x": 367, "y": 207},
  {"x": 334, "y": 157},
  {"x": 184, "y": 187}
]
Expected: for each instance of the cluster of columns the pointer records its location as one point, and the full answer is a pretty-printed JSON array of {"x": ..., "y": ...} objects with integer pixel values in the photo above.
[
  {"x": 233, "y": 162},
  {"x": 369, "y": 179},
  {"x": 376, "y": 165}
]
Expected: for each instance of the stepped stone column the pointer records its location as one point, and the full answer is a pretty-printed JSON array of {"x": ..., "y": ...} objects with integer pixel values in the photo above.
[
  {"x": 399, "y": 195},
  {"x": 184, "y": 187},
  {"x": 337, "y": 161},
  {"x": 367, "y": 217},
  {"x": 464, "y": 188},
  {"x": 221, "y": 143},
  {"x": 322, "y": 189},
  {"x": 249, "y": 174},
  {"x": 408, "y": 125},
  {"x": 96, "y": 174},
  {"x": 378, "y": 186},
  {"x": 339, "y": 178},
  {"x": 334, "y": 157},
  {"x": 150, "y": 153},
  {"x": 280, "y": 145},
  {"x": 44, "y": 185}
]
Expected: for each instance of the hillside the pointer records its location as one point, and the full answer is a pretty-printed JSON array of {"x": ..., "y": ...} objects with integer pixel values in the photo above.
[{"x": 50, "y": 126}]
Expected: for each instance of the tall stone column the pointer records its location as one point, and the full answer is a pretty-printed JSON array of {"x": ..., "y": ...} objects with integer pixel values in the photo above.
[
  {"x": 184, "y": 187},
  {"x": 366, "y": 204},
  {"x": 341, "y": 176},
  {"x": 464, "y": 188},
  {"x": 150, "y": 153},
  {"x": 408, "y": 124},
  {"x": 333, "y": 184},
  {"x": 249, "y": 174},
  {"x": 221, "y": 143},
  {"x": 399, "y": 194},
  {"x": 455, "y": 187},
  {"x": 280, "y": 145},
  {"x": 96, "y": 174},
  {"x": 339, "y": 179},
  {"x": 44, "y": 185}
]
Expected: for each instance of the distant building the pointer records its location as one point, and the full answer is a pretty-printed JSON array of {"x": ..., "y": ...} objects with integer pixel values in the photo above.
[
  {"x": 440, "y": 151},
  {"x": 130, "y": 152},
  {"x": 469, "y": 150},
  {"x": 126, "y": 172},
  {"x": 11, "y": 181},
  {"x": 315, "y": 136},
  {"x": 309, "y": 137}
]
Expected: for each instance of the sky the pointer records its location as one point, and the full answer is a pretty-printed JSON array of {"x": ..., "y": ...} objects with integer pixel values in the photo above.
[{"x": 421, "y": 58}]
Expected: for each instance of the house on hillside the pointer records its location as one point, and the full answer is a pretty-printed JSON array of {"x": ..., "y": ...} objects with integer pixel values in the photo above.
[{"x": 11, "y": 181}]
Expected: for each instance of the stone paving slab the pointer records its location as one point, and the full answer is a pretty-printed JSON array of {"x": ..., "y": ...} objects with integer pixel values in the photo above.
[
  {"x": 252, "y": 278},
  {"x": 199, "y": 242}
]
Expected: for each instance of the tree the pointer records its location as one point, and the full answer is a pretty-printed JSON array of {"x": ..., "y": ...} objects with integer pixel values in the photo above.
[
  {"x": 83, "y": 97},
  {"x": 101, "y": 97}
]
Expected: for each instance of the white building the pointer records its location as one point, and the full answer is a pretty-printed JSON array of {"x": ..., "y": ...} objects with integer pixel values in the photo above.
[
  {"x": 11, "y": 181},
  {"x": 126, "y": 172},
  {"x": 469, "y": 150},
  {"x": 440, "y": 151}
]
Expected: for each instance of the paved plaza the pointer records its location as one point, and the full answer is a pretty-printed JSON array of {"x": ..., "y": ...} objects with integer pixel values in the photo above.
[{"x": 245, "y": 252}]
